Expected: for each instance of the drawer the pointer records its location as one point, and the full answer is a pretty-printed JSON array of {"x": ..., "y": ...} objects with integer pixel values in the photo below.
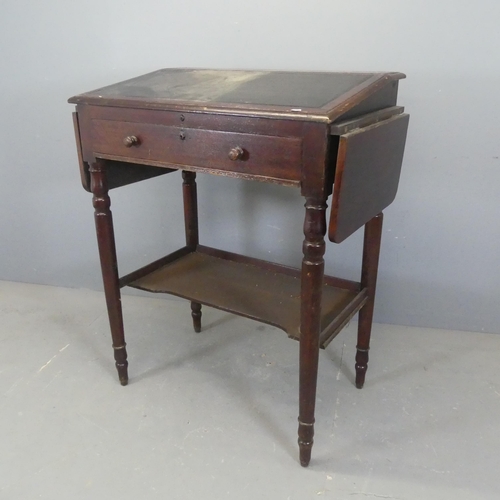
[{"x": 215, "y": 150}]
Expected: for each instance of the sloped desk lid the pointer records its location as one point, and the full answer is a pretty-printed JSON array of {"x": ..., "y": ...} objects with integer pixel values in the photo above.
[{"x": 312, "y": 96}]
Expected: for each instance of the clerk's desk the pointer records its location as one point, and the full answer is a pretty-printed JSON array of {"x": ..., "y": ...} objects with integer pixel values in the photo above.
[{"x": 339, "y": 134}]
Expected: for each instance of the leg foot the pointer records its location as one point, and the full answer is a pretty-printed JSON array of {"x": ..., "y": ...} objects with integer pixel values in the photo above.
[
  {"x": 361, "y": 366},
  {"x": 196, "y": 315},
  {"x": 121, "y": 363},
  {"x": 306, "y": 433}
]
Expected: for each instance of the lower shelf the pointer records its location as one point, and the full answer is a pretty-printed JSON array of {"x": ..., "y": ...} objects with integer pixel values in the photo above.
[{"x": 253, "y": 288}]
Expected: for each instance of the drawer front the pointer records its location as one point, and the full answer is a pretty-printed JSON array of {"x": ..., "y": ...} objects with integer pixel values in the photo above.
[{"x": 256, "y": 155}]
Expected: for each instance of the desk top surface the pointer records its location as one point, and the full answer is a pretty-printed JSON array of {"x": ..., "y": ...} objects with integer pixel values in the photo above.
[{"x": 314, "y": 95}]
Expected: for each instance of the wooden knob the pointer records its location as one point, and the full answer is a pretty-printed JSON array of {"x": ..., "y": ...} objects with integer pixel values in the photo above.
[
  {"x": 130, "y": 141},
  {"x": 236, "y": 153}
]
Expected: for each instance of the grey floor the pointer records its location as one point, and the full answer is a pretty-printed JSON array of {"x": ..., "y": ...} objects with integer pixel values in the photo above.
[{"x": 213, "y": 415}]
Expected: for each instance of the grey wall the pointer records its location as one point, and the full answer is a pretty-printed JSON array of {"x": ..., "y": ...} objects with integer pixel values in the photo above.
[{"x": 439, "y": 264}]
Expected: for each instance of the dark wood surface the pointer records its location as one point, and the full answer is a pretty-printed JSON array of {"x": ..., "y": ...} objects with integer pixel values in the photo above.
[
  {"x": 371, "y": 252},
  {"x": 109, "y": 266},
  {"x": 190, "y": 196},
  {"x": 272, "y": 150},
  {"x": 118, "y": 173},
  {"x": 369, "y": 163},
  {"x": 279, "y": 157},
  {"x": 248, "y": 287},
  {"x": 340, "y": 133},
  {"x": 293, "y": 94},
  {"x": 311, "y": 306}
]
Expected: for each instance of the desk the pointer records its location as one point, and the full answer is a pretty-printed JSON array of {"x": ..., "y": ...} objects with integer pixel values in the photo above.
[{"x": 339, "y": 134}]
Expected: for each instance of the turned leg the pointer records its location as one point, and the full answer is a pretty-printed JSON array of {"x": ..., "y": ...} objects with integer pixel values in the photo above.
[
  {"x": 371, "y": 251},
  {"x": 196, "y": 315},
  {"x": 107, "y": 254},
  {"x": 311, "y": 290},
  {"x": 191, "y": 224}
]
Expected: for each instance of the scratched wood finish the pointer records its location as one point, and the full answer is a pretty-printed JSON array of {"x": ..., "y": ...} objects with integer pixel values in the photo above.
[
  {"x": 340, "y": 133},
  {"x": 366, "y": 92}
]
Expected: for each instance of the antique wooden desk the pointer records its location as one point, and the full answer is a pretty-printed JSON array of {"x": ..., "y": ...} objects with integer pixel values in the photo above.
[{"x": 338, "y": 134}]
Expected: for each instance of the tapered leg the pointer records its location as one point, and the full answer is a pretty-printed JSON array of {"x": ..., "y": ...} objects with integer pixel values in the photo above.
[
  {"x": 107, "y": 254},
  {"x": 311, "y": 290},
  {"x": 371, "y": 252},
  {"x": 191, "y": 224}
]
